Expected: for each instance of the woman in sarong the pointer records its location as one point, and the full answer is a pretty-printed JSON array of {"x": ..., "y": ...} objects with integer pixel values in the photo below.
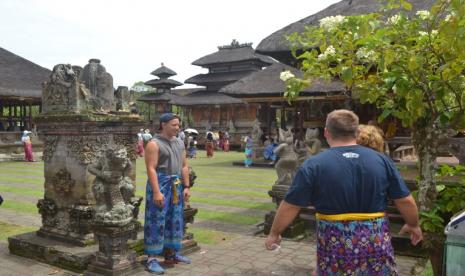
[
  {"x": 209, "y": 146},
  {"x": 27, "y": 146},
  {"x": 248, "y": 151}
]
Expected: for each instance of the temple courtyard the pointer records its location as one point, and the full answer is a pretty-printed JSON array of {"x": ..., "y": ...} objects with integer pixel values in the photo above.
[{"x": 231, "y": 200}]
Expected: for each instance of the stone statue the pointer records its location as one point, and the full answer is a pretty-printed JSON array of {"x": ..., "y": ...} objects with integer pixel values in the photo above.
[
  {"x": 64, "y": 92},
  {"x": 113, "y": 188},
  {"x": 122, "y": 98},
  {"x": 312, "y": 141},
  {"x": 288, "y": 160},
  {"x": 231, "y": 127},
  {"x": 256, "y": 132},
  {"x": 310, "y": 146},
  {"x": 100, "y": 85}
]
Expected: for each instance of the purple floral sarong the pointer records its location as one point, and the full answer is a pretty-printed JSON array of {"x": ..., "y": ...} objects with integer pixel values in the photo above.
[{"x": 360, "y": 247}]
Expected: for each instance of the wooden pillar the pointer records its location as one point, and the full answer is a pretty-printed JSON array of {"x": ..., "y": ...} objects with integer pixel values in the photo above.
[{"x": 30, "y": 115}]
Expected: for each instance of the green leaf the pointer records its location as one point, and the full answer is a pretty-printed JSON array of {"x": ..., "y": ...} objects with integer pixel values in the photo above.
[
  {"x": 406, "y": 5},
  {"x": 440, "y": 188},
  {"x": 346, "y": 74}
]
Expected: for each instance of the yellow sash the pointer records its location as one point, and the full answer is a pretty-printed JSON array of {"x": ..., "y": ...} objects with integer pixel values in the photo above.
[
  {"x": 351, "y": 216},
  {"x": 175, "y": 190}
]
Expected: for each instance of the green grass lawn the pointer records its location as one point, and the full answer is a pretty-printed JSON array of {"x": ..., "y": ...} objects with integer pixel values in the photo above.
[{"x": 218, "y": 184}]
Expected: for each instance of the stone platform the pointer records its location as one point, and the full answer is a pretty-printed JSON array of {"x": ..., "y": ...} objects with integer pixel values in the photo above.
[
  {"x": 69, "y": 257},
  {"x": 241, "y": 255}
]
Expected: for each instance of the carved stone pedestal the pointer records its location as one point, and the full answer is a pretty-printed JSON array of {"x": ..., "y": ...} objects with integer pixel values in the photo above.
[
  {"x": 189, "y": 245},
  {"x": 114, "y": 256},
  {"x": 296, "y": 228}
]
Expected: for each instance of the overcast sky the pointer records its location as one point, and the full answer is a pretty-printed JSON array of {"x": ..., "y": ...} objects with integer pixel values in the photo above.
[{"x": 133, "y": 37}]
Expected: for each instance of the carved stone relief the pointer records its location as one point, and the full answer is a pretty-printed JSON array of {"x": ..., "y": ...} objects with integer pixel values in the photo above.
[
  {"x": 62, "y": 182},
  {"x": 129, "y": 142},
  {"x": 87, "y": 149},
  {"x": 50, "y": 144}
]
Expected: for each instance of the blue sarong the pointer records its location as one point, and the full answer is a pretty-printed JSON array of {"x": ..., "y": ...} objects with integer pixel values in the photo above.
[
  {"x": 191, "y": 152},
  {"x": 269, "y": 153},
  {"x": 248, "y": 156},
  {"x": 163, "y": 227}
]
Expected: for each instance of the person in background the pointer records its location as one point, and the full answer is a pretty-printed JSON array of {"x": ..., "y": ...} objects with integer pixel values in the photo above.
[
  {"x": 209, "y": 146},
  {"x": 140, "y": 143},
  {"x": 146, "y": 136},
  {"x": 248, "y": 151},
  {"x": 181, "y": 136},
  {"x": 226, "y": 142},
  {"x": 166, "y": 191},
  {"x": 26, "y": 140},
  {"x": 349, "y": 186},
  {"x": 192, "y": 147},
  {"x": 370, "y": 136},
  {"x": 268, "y": 153}
]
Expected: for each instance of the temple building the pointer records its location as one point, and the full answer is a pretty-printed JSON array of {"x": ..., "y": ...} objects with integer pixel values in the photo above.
[
  {"x": 210, "y": 110},
  {"x": 204, "y": 108},
  {"x": 20, "y": 90},
  {"x": 265, "y": 90},
  {"x": 20, "y": 97}
]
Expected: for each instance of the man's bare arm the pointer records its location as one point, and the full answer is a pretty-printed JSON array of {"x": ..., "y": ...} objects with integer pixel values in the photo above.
[{"x": 409, "y": 211}]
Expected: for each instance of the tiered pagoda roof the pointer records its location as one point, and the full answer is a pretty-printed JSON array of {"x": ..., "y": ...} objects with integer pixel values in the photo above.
[
  {"x": 163, "y": 84},
  {"x": 229, "y": 64}
]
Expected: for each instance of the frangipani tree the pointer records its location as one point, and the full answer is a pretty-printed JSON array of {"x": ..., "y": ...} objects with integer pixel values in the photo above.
[{"x": 410, "y": 67}]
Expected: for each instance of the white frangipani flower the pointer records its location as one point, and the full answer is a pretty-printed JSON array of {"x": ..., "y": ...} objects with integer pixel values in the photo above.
[
  {"x": 449, "y": 17},
  {"x": 365, "y": 54},
  {"x": 331, "y": 22},
  {"x": 423, "y": 14},
  {"x": 330, "y": 51},
  {"x": 286, "y": 75},
  {"x": 393, "y": 20}
]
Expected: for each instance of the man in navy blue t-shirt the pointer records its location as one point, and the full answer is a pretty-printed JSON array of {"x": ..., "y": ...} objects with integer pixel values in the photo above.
[{"x": 349, "y": 185}]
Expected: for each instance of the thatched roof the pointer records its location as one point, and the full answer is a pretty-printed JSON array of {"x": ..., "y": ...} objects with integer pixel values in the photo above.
[
  {"x": 202, "y": 79},
  {"x": 163, "y": 82},
  {"x": 203, "y": 97},
  {"x": 276, "y": 45},
  {"x": 267, "y": 83},
  {"x": 163, "y": 72},
  {"x": 233, "y": 53},
  {"x": 20, "y": 77}
]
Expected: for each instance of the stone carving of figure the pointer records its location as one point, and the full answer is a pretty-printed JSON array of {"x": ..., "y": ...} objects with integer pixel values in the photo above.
[
  {"x": 310, "y": 146},
  {"x": 232, "y": 128},
  {"x": 312, "y": 141},
  {"x": 113, "y": 188},
  {"x": 100, "y": 85},
  {"x": 64, "y": 92},
  {"x": 56, "y": 91},
  {"x": 288, "y": 160},
  {"x": 256, "y": 132}
]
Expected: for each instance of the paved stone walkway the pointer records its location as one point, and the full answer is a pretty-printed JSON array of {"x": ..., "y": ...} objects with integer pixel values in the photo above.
[{"x": 242, "y": 255}]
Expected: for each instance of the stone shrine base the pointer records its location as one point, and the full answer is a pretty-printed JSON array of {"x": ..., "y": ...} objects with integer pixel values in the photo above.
[{"x": 70, "y": 257}]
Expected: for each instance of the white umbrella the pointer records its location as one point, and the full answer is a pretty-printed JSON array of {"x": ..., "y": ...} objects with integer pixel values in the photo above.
[{"x": 191, "y": 131}]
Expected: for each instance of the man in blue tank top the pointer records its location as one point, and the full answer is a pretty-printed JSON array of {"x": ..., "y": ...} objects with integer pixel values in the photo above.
[
  {"x": 349, "y": 185},
  {"x": 167, "y": 189}
]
